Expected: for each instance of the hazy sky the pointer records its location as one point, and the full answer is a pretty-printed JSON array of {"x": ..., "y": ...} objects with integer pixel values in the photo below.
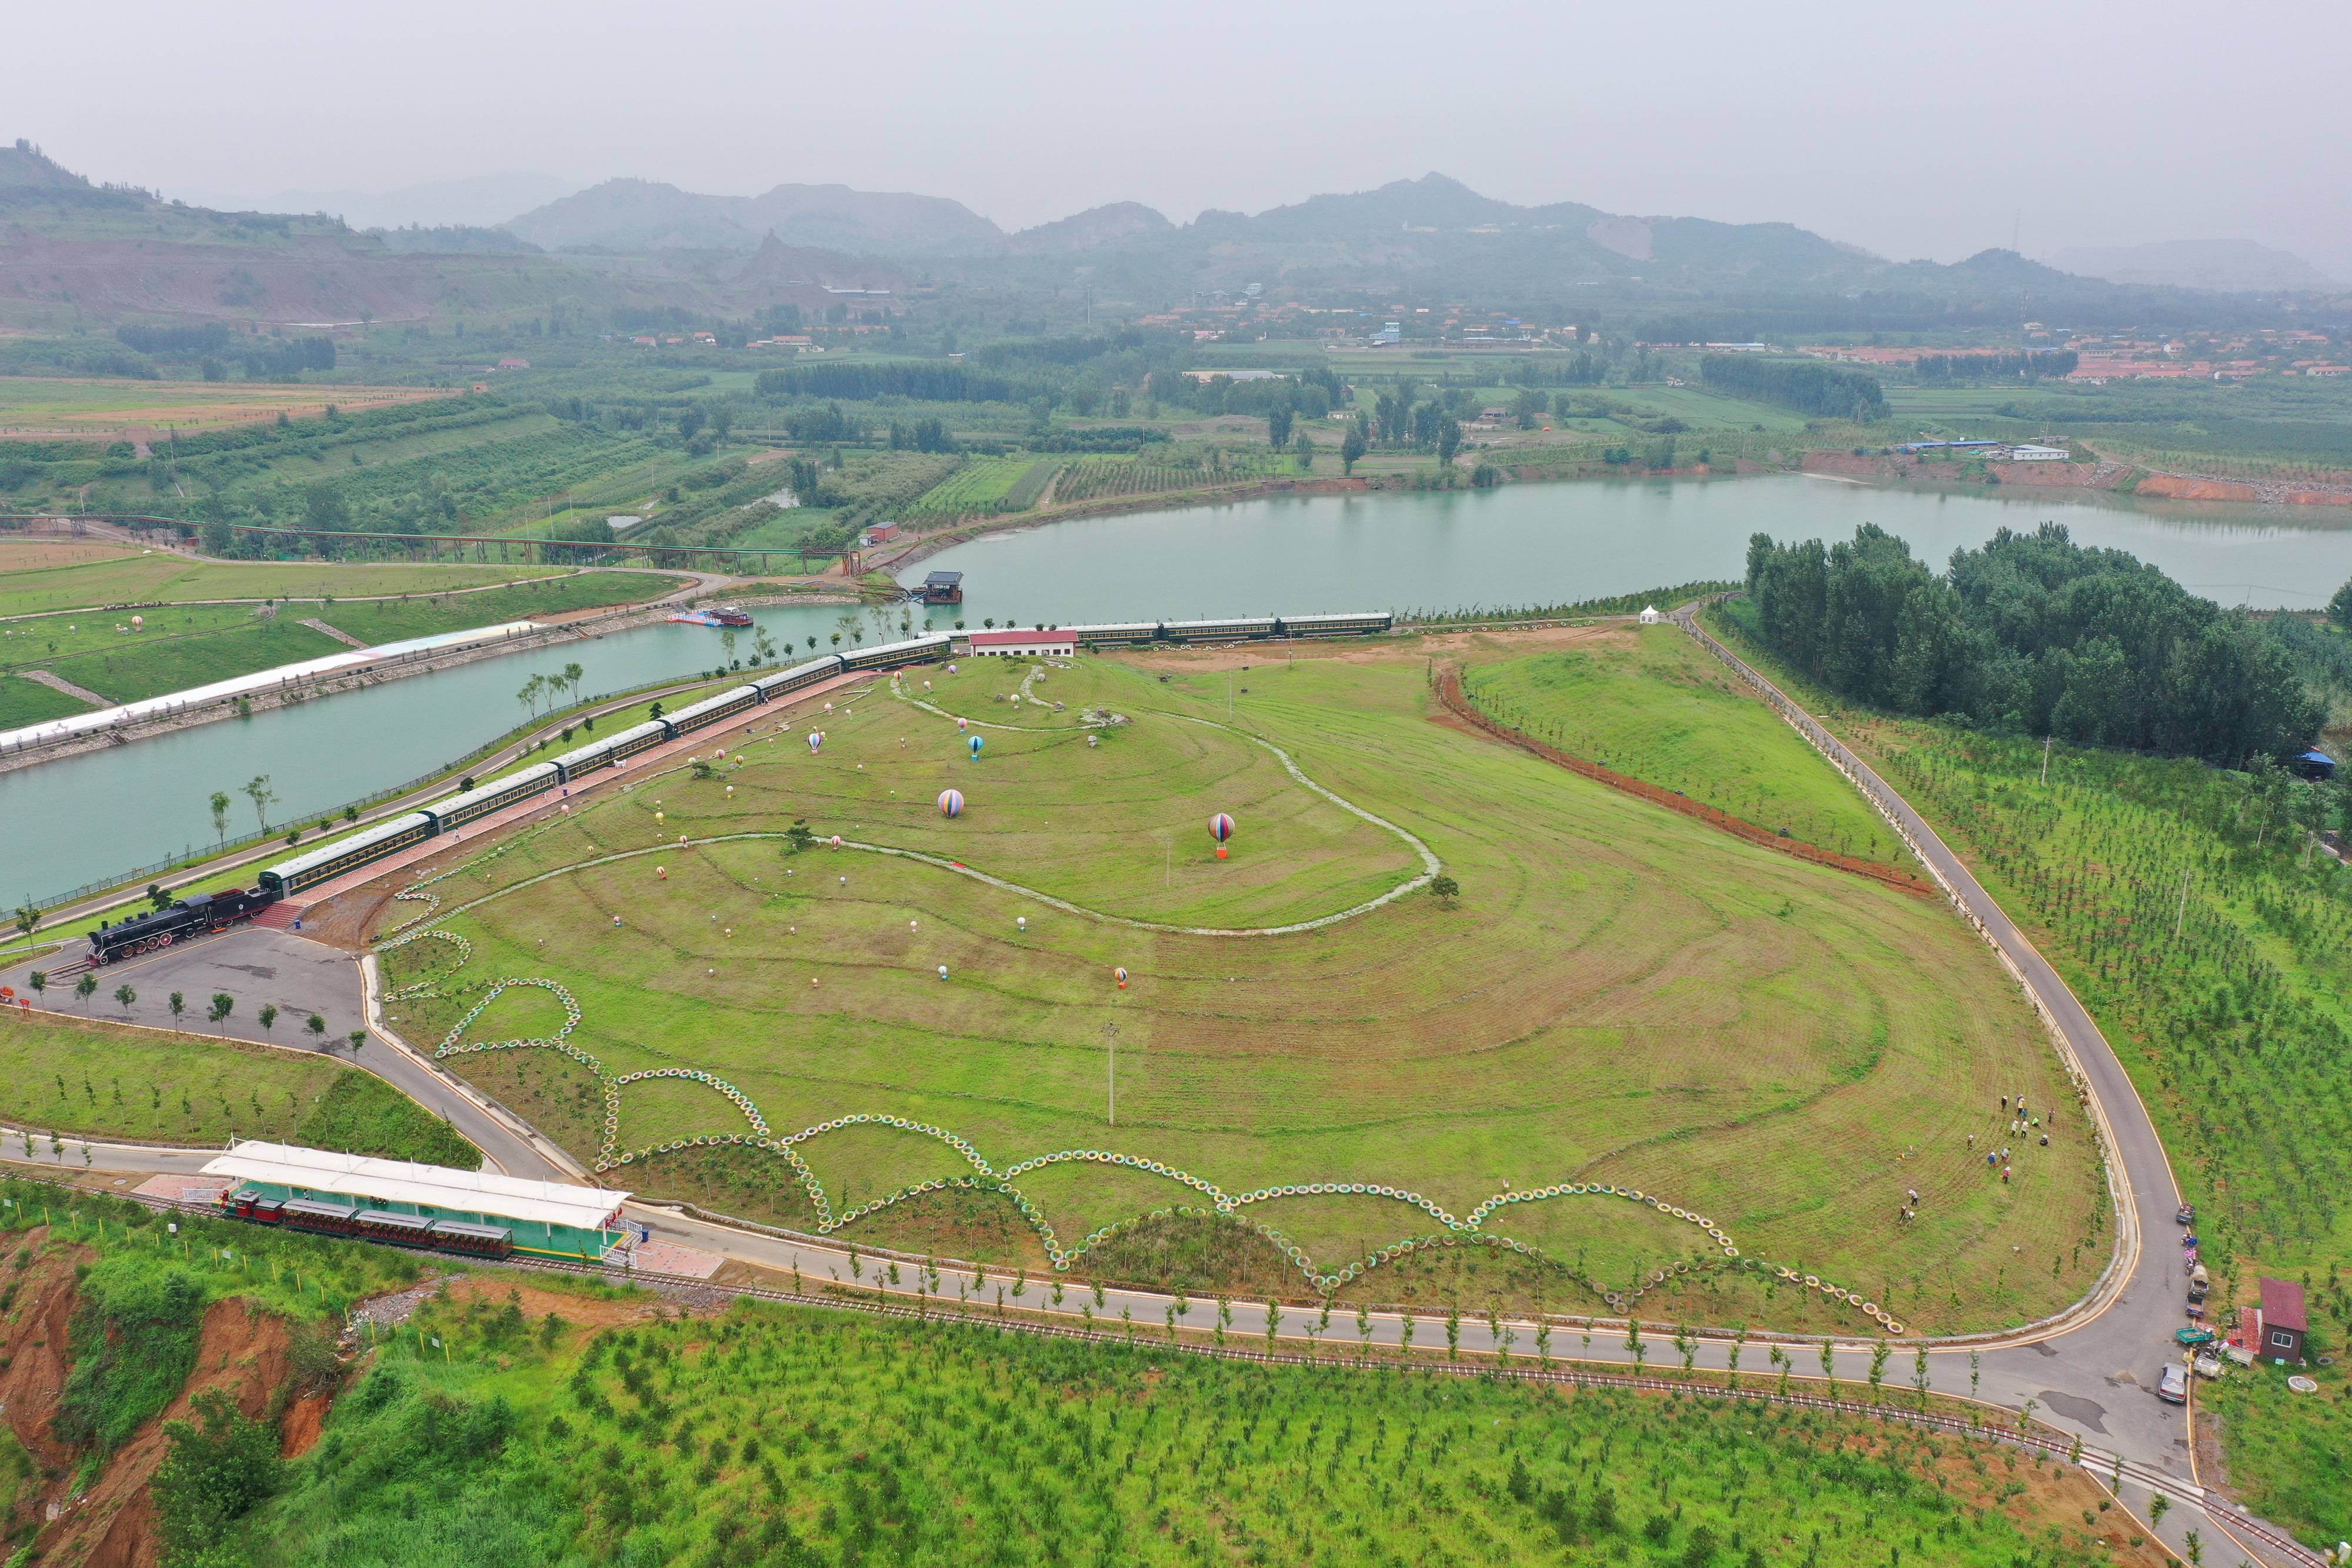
[{"x": 1911, "y": 130}]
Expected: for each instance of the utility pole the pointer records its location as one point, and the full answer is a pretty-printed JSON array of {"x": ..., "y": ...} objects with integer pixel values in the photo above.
[
  {"x": 2180, "y": 916},
  {"x": 1110, "y": 1033},
  {"x": 2045, "y": 758}
]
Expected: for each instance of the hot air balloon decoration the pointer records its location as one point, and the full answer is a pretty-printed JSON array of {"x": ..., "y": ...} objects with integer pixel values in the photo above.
[
  {"x": 951, "y": 803},
  {"x": 1121, "y": 973},
  {"x": 1221, "y": 828},
  {"x": 976, "y": 744}
]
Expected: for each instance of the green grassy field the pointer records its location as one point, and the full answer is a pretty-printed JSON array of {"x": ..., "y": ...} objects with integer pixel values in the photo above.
[
  {"x": 790, "y": 1435},
  {"x": 393, "y": 620},
  {"x": 23, "y": 702},
  {"x": 64, "y": 1075},
  {"x": 70, "y": 575},
  {"x": 136, "y": 668},
  {"x": 1620, "y": 996},
  {"x": 1652, "y": 703},
  {"x": 180, "y": 646}
]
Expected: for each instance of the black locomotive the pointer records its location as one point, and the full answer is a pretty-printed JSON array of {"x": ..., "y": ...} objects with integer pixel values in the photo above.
[{"x": 177, "y": 923}]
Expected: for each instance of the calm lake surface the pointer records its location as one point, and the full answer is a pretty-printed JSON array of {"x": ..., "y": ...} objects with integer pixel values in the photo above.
[{"x": 85, "y": 818}]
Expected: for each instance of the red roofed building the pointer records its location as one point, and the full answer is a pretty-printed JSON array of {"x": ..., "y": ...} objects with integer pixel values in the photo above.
[
  {"x": 1015, "y": 644},
  {"x": 2283, "y": 1323}
]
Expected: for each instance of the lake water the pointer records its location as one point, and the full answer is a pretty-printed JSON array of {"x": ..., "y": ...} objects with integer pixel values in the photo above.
[{"x": 81, "y": 819}]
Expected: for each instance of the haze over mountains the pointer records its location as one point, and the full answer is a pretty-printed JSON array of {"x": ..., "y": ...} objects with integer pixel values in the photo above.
[{"x": 640, "y": 243}]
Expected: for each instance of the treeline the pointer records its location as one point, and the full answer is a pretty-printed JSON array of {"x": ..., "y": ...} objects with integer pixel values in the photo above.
[
  {"x": 2032, "y": 365},
  {"x": 1825, "y": 391},
  {"x": 263, "y": 357},
  {"x": 2036, "y": 635},
  {"x": 920, "y": 382},
  {"x": 183, "y": 342}
]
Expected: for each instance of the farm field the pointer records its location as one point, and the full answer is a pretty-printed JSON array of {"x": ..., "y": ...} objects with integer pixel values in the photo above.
[
  {"x": 983, "y": 485},
  {"x": 40, "y": 575},
  {"x": 136, "y": 667},
  {"x": 98, "y": 408},
  {"x": 1649, "y": 701},
  {"x": 78, "y": 1077},
  {"x": 1619, "y": 996},
  {"x": 811, "y": 1436},
  {"x": 423, "y": 615}
]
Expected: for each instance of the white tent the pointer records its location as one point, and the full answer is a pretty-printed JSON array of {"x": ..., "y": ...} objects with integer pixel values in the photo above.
[{"x": 1650, "y": 616}]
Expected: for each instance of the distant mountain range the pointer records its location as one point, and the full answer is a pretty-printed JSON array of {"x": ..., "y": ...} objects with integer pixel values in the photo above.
[
  {"x": 72, "y": 250},
  {"x": 2222, "y": 264},
  {"x": 1430, "y": 234}
]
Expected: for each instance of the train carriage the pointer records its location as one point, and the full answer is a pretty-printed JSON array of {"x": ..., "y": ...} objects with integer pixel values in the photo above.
[
  {"x": 326, "y": 1219},
  {"x": 1356, "y": 625},
  {"x": 400, "y": 1230},
  {"x": 710, "y": 710},
  {"x": 1242, "y": 629},
  {"x": 326, "y": 864},
  {"x": 457, "y": 810},
  {"x": 798, "y": 678},
  {"x": 475, "y": 1241},
  {"x": 1115, "y": 634},
  {"x": 611, "y": 750},
  {"x": 890, "y": 655}
]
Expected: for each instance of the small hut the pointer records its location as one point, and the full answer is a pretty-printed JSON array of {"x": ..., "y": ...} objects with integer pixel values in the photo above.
[{"x": 1650, "y": 616}]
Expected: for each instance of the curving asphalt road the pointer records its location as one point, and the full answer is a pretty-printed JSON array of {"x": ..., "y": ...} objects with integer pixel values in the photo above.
[{"x": 2089, "y": 1373}]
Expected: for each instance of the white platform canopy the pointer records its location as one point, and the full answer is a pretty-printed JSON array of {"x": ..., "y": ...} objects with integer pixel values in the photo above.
[{"x": 435, "y": 1187}]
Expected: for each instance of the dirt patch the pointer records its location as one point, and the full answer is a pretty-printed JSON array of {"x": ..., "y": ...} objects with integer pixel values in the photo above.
[
  {"x": 1354, "y": 651},
  {"x": 1449, "y": 693},
  {"x": 306, "y": 1418},
  {"x": 31, "y": 555},
  {"x": 345, "y": 920},
  {"x": 2181, "y": 487},
  {"x": 239, "y": 1350},
  {"x": 2058, "y": 475},
  {"x": 34, "y": 1340},
  {"x": 582, "y": 1311}
]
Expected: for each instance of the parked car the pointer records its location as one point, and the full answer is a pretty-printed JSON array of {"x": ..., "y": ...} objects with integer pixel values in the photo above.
[
  {"x": 2172, "y": 1388},
  {"x": 2194, "y": 1336}
]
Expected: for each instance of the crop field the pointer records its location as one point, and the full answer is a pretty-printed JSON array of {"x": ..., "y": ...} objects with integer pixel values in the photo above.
[
  {"x": 782, "y": 1436},
  {"x": 1649, "y": 701},
  {"x": 1618, "y": 997},
  {"x": 1101, "y": 478},
  {"x": 38, "y": 405},
  {"x": 982, "y": 487},
  {"x": 126, "y": 576},
  {"x": 74, "y": 1077}
]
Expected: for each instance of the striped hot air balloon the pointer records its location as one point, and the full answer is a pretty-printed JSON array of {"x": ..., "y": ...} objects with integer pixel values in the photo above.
[
  {"x": 976, "y": 744},
  {"x": 951, "y": 802},
  {"x": 1221, "y": 827},
  {"x": 816, "y": 739},
  {"x": 1121, "y": 974}
]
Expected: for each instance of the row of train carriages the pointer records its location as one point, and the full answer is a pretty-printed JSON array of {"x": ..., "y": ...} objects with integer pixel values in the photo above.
[
  {"x": 346, "y": 854},
  {"x": 195, "y": 917},
  {"x": 325, "y": 1218},
  {"x": 1231, "y": 629},
  {"x": 191, "y": 917}
]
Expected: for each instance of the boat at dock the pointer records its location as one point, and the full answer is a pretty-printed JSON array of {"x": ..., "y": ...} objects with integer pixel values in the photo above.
[{"x": 725, "y": 615}]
